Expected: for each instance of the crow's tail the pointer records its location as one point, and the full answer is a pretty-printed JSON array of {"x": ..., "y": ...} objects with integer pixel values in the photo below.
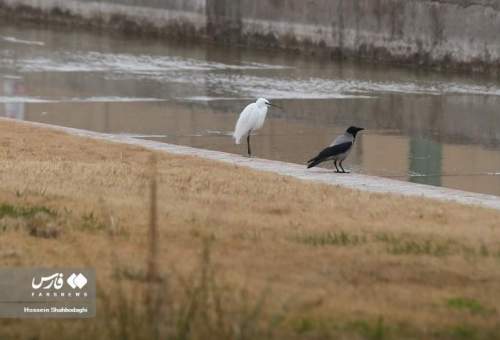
[{"x": 313, "y": 162}]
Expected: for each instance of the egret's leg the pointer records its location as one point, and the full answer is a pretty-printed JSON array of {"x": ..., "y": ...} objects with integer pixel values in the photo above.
[
  {"x": 335, "y": 162},
  {"x": 248, "y": 143}
]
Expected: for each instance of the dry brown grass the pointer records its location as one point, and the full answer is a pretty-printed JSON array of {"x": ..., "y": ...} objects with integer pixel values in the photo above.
[{"x": 335, "y": 258}]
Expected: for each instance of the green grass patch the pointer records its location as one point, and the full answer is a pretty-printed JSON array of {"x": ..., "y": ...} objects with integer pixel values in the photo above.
[
  {"x": 425, "y": 247},
  {"x": 90, "y": 222},
  {"x": 464, "y": 332},
  {"x": 23, "y": 212},
  {"x": 304, "y": 325},
  {"x": 332, "y": 239},
  {"x": 470, "y": 305},
  {"x": 405, "y": 245},
  {"x": 39, "y": 221},
  {"x": 372, "y": 330}
]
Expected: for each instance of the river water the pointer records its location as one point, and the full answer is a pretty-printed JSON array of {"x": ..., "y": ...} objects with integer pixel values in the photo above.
[{"x": 421, "y": 126}]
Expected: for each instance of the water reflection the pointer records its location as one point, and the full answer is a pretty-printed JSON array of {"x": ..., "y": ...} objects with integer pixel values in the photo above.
[
  {"x": 422, "y": 127},
  {"x": 425, "y": 161},
  {"x": 12, "y": 92}
]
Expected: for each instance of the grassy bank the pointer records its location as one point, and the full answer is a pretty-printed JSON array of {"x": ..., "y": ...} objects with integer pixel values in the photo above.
[{"x": 239, "y": 253}]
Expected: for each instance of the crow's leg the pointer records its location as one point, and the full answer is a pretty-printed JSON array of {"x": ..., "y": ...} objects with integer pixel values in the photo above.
[
  {"x": 343, "y": 171},
  {"x": 335, "y": 162},
  {"x": 248, "y": 143}
]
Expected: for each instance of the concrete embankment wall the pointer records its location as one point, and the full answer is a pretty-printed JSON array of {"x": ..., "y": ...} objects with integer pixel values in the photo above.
[{"x": 442, "y": 33}]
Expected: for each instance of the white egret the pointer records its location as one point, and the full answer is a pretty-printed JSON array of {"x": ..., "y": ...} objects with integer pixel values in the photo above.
[{"x": 251, "y": 118}]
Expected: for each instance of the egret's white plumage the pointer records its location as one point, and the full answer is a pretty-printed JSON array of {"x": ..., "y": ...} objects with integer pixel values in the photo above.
[{"x": 251, "y": 118}]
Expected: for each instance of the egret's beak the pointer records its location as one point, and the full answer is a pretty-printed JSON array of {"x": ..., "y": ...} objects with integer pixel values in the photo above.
[{"x": 279, "y": 107}]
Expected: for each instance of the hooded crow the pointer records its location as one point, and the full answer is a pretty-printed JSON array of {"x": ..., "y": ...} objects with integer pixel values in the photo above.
[{"x": 338, "y": 150}]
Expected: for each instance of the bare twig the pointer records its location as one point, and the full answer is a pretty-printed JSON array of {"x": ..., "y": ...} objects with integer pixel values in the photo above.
[{"x": 152, "y": 273}]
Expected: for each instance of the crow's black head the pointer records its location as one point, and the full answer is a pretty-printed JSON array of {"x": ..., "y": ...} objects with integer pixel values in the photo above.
[{"x": 353, "y": 130}]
